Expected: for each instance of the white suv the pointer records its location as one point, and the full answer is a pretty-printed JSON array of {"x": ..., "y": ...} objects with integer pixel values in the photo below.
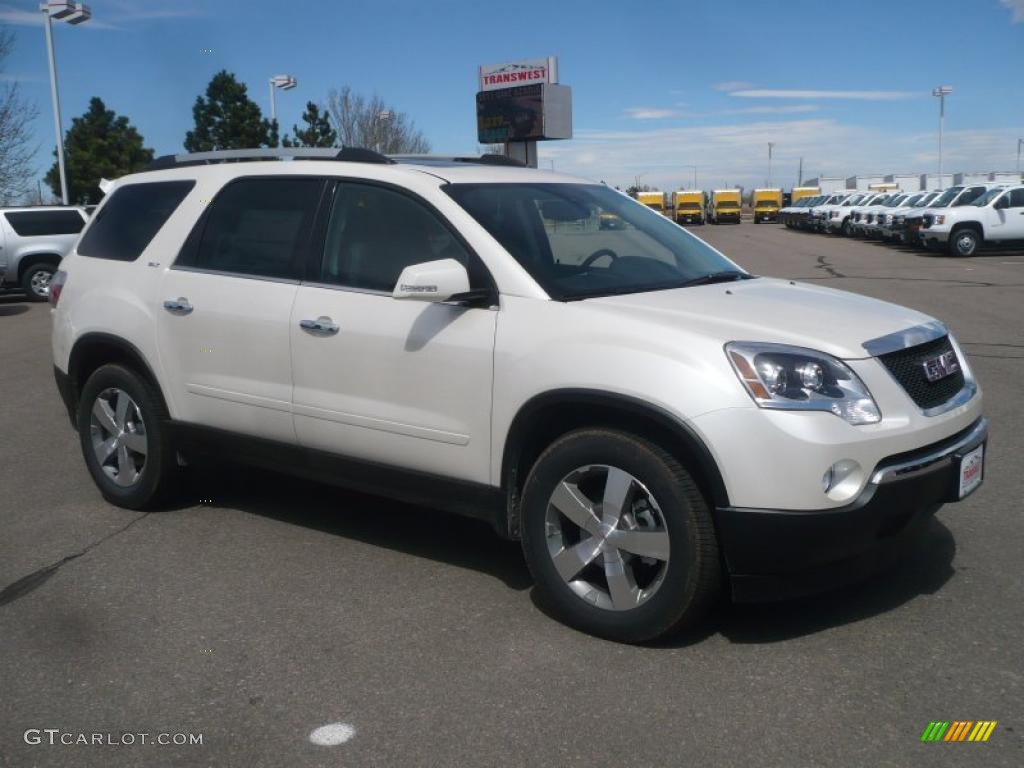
[
  {"x": 995, "y": 217},
  {"x": 652, "y": 421}
]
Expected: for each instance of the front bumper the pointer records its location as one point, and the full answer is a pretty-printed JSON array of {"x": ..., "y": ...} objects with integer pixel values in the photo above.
[
  {"x": 775, "y": 554},
  {"x": 932, "y": 235}
]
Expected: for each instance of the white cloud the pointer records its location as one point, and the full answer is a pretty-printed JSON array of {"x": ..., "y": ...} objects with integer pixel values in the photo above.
[
  {"x": 786, "y": 109},
  {"x": 731, "y": 85},
  {"x": 738, "y": 154},
  {"x": 766, "y": 93},
  {"x": 1017, "y": 7},
  {"x": 651, "y": 113}
]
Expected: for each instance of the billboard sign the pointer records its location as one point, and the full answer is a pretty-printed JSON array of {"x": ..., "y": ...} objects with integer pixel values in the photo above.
[
  {"x": 515, "y": 73},
  {"x": 525, "y": 113}
]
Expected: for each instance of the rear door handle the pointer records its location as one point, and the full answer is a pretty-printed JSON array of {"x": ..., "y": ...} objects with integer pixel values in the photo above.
[
  {"x": 178, "y": 306},
  {"x": 322, "y": 326}
]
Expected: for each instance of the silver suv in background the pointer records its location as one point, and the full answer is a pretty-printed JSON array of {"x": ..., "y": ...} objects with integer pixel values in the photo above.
[{"x": 32, "y": 243}]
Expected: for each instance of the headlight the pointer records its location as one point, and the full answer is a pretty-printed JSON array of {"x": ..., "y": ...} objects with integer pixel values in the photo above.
[
  {"x": 796, "y": 379},
  {"x": 940, "y": 219}
]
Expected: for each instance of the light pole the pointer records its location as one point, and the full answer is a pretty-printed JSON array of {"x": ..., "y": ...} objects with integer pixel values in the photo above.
[
  {"x": 1020, "y": 143},
  {"x": 941, "y": 92},
  {"x": 285, "y": 83},
  {"x": 72, "y": 13},
  {"x": 382, "y": 117},
  {"x": 771, "y": 145},
  {"x": 694, "y": 174}
]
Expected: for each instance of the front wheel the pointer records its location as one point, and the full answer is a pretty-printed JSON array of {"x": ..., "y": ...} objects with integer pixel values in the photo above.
[
  {"x": 964, "y": 242},
  {"x": 618, "y": 538},
  {"x": 123, "y": 437},
  {"x": 36, "y": 281}
]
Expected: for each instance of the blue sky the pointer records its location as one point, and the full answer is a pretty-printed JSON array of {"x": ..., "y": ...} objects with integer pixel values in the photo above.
[{"x": 657, "y": 86}]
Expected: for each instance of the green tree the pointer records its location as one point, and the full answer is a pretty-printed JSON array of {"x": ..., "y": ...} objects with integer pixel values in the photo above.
[
  {"x": 227, "y": 118},
  {"x": 318, "y": 131},
  {"x": 100, "y": 144}
]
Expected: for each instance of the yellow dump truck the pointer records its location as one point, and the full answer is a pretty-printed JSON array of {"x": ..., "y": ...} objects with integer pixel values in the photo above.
[
  {"x": 655, "y": 200},
  {"x": 725, "y": 206},
  {"x": 688, "y": 206},
  {"x": 767, "y": 203}
]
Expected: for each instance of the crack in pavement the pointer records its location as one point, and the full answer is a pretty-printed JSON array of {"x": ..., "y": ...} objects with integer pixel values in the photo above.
[
  {"x": 37, "y": 578},
  {"x": 822, "y": 264}
]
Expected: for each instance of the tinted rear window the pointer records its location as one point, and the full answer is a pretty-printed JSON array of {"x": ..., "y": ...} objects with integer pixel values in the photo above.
[
  {"x": 123, "y": 227},
  {"x": 40, "y": 223}
]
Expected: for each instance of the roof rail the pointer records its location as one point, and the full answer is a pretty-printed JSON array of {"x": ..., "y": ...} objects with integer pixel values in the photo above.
[
  {"x": 345, "y": 154},
  {"x": 489, "y": 159}
]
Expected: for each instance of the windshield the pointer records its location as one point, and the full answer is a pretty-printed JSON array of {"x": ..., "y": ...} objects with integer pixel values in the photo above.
[
  {"x": 727, "y": 204},
  {"x": 969, "y": 196},
  {"x": 947, "y": 197},
  {"x": 853, "y": 200},
  {"x": 554, "y": 232},
  {"x": 766, "y": 203},
  {"x": 926, "y": 200},
  {"x": 690, "y": 206},
  {"x": 655, "y": 206},
  {"x": 988, "y": 197}
]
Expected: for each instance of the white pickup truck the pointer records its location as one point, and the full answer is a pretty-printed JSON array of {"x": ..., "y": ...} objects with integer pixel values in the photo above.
[{"x": 995, "y": 217}]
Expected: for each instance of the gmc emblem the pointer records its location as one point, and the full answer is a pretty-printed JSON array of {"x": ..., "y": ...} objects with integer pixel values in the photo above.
[{"x": 936, "y": 368}]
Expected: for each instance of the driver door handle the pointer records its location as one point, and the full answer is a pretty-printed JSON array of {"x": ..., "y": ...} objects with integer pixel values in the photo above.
[
  {"x": 178, "y": 306},
  {"x": 322, "y": 326}
]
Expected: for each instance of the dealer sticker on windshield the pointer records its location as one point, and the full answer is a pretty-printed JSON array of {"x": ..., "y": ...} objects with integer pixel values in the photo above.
[{"x": 972, "y": 467}]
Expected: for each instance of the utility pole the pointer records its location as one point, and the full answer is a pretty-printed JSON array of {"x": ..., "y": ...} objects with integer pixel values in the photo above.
[
  {"x": 770, "y": 146},
  {"x": 1020, "y": 143},
  {"x": 800, "y": 174},
  {"x": 941, "y": 92}
]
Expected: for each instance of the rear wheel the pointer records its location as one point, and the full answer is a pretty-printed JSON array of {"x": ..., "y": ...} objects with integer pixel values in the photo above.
[
  {"x": 36, "y": 281},
  {"x": 618, "y": 538},
  {"x": 964, "y": 242},
  {"x": 124, "y": 441}
]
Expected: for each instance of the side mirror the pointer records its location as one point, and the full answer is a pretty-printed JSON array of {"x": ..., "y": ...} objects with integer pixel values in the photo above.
[{"x": 432, "y": 281}]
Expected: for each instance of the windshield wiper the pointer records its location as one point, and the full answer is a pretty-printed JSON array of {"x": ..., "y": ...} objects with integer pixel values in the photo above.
[{"x": 727, "y": 276}]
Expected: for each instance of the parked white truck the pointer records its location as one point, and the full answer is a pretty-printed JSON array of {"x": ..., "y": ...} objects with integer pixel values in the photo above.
[{"x": 995, "y": 217}]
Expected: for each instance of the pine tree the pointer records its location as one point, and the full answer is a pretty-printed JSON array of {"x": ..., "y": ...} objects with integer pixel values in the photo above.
[
  {"x": 227, "y": 118},
  {"x": 318, "y": 131},
  {"x": 100, "y": 144}
]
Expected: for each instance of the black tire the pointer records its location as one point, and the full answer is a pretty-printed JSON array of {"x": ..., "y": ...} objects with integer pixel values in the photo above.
[
  {"x": 844, "y": 230},
  {"x": 963, "y": 242},
  {"x": 160, "y": 467},
  {"x": 691, "y": 579},
  {"x": 36, "y": 281}
]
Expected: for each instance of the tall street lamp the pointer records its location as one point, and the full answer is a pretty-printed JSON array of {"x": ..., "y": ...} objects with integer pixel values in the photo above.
[
  {"x": 285, "y": 83},
  {"x": 72, "y": 13},
  {"x": 771, "y": 145},
  {"x": 1020, "y": 143},
  {"x": 694, "y": 174},
  {"x": 382, "y": 117},
  {"x": 941, "y": 92}
]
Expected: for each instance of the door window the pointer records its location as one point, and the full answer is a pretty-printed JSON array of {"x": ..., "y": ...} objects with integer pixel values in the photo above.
[
  {"x": 1017, "y": 198},
  {"x": 375, "y": 232},
  {"x": 41, "y": 223},
  {"x": 258, "y": 227}
]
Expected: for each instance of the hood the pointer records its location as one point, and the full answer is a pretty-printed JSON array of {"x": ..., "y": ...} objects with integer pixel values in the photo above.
[{"x": 770, "y": 310}]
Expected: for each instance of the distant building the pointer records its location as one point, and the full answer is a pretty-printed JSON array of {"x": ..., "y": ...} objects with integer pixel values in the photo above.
[
  {"x": 907, "y": 182},
  {"x": 827, "y": 184},
  {"x": 863, "y": 183}
]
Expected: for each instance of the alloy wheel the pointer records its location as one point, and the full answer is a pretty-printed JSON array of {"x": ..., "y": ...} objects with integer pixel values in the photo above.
[
  {"x": 607, "y": 537},
  {"x": 118, "y": 436},
  {"x": 40, "y": 283}
]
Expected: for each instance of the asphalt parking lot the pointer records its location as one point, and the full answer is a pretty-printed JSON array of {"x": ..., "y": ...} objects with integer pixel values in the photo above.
[{"x": 262, "y": 607}]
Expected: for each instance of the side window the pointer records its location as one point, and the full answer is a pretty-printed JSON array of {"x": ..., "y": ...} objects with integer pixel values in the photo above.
[
  {"x": 129, "y": 220},
  {"x": 41, "y": 223},
  {"x": 1017, "y": 198},
  {"x": 258, "y": 227},
  {"x": 970, "y": 195},
  {"x": 374, "y": 233}
]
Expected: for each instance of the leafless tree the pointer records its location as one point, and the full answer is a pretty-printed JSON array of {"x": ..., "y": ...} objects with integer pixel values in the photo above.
[
  {"x": 16, "y": 146},
  {"x": 373, "y": 124}
]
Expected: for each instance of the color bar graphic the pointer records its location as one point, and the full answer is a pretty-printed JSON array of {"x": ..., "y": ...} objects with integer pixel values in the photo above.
[{"x": 958, "y": 730}]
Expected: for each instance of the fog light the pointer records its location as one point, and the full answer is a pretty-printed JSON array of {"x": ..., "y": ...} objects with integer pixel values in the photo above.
[{"x": 843, "y": 480}]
